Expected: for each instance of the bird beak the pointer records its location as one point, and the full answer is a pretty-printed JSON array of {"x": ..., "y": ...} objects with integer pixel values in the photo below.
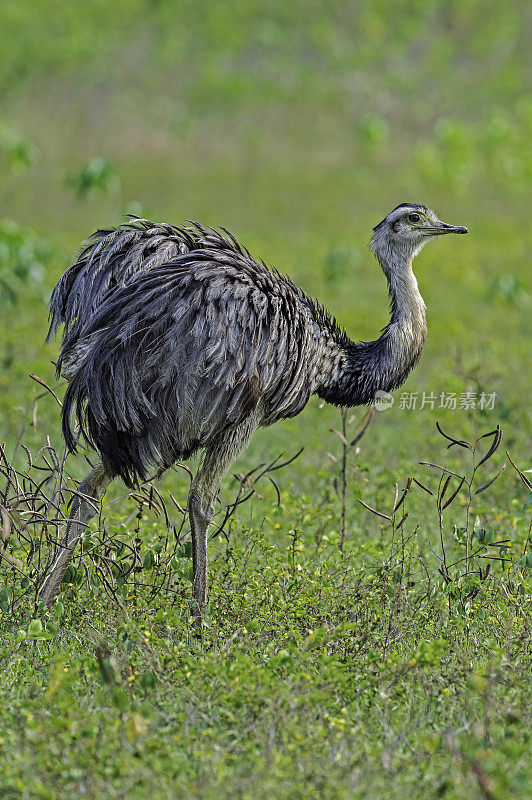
[{"x": 443, "y": 227}]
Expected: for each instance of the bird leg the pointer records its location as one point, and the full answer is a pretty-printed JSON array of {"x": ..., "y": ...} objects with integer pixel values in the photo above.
[
  {"x": 200, "y": 513},
  {"x": 201, "y": 504},
  {"x": 84, "y": 507}
]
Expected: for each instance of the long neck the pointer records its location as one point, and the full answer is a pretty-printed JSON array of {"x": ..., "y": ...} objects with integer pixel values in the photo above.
[{"x": 361, "y": 369}]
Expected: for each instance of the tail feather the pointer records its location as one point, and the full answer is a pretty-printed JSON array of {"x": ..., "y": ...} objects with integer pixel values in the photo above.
[
  {"x": 120, "y": 450},
  {"x": 110, "y": 258}
]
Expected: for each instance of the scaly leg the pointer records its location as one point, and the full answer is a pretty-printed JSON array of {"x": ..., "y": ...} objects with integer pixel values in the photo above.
[
  {"x": 92, "y": 487},
  {"x": 219, "y": 456},
  {"x": 201, "y": 510}
]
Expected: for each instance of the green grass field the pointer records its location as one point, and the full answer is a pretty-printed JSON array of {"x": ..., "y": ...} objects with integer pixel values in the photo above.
[{"x": 400, "y": 667}]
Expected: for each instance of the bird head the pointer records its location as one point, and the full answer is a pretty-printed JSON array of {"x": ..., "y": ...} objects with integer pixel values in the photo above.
[{"x": 408, "y": 227}]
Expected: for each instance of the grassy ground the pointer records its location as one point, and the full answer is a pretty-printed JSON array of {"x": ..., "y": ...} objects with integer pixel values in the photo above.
[{"x": 322, "y": 674}]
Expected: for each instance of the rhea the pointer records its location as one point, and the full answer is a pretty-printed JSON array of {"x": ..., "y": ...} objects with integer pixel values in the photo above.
[{"x": 177, "y": 340}]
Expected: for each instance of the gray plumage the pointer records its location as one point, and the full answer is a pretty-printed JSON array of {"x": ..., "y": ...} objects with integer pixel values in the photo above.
[
  {"x": 176, "y": 339},
  {"x": 172, "y": 336}
]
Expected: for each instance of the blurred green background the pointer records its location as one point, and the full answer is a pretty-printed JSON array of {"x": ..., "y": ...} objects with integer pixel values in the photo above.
[{"x": 298, "y": 125}]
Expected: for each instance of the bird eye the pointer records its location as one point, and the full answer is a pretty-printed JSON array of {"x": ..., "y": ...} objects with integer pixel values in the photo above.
[{"x": 414, "y": 217}]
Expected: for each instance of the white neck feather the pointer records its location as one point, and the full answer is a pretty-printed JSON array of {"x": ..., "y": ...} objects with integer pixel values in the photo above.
[
  {"x": 408, "y": 307},
  {"x": 364, "y": 368}
]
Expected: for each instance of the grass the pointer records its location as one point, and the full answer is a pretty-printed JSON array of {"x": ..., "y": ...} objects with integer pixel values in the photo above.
[
  {"x": 389, "y": 668},
  {"x": 334, "y": 675}
]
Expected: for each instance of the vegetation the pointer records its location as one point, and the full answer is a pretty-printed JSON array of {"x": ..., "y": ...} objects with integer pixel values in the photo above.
[{"x": 352, "y": 649}]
